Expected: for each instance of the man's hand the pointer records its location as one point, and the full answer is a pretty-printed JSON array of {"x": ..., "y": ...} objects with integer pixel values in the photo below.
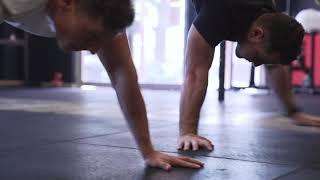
[
  {"x": 194, "y": 142},
  {"x": 166, "y": 162},
  {"x": 302, "y": 119}
]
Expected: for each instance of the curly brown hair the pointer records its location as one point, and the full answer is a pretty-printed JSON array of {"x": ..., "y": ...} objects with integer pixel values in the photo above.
[{"x": 117, "y": 15}]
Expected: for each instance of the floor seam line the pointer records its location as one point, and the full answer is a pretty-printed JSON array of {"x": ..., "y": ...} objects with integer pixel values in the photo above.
[
  {"x": 290, "y": 173},
  {"x": 216, "y": 157},
  {"x": 58, "y": 142},
  {"x": 71, "y": 140}
]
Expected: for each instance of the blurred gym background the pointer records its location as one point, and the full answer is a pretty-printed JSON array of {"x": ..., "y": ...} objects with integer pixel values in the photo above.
[{"x": 157, "y": 40}]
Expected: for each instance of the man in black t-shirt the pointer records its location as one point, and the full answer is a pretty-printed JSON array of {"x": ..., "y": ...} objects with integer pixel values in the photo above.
[{"x": 264, "y": 36}]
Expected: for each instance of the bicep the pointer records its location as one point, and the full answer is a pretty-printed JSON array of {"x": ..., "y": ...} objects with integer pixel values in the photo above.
[{"x": 198, "y": 52}]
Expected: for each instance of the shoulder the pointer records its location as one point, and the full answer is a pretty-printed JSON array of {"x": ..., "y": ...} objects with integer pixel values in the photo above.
[
  {"x": 32, "y": 17},
  {"x": 19, "y": 7}
]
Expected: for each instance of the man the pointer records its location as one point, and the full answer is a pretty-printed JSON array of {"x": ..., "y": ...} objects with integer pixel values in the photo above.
[
  {"x": 264, "y": 37},
  {"x": 97, "y": 26}
]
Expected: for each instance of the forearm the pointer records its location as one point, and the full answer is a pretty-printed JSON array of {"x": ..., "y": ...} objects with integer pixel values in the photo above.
[
  {"x": 192, "y": 98},
  {"x": 279, "y": 76},
  {"x": 133, "y": 107},
  {"x": 116, "y": 58},
  {"x": 199, "y": 56}
]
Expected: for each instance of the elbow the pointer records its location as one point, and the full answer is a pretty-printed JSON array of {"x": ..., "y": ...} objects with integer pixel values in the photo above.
[
  {"x": 123, "y": 79},
  {"x": 196, "y": 79}
]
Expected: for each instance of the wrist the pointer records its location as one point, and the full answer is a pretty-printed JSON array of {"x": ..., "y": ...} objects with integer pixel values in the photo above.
[
  {"x": 188, "y": 126},
  {"x": 185, "y": 133},
  {"x": 146, "y": 150},
  {"x": 292, "y": 111},
  {"x": 147, "y": 153}
]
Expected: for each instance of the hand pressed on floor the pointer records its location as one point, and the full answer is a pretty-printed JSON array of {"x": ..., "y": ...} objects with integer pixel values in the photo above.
[
  {"x": 302, "y": 119},
  {"x": 194, "y": 142},
  {"x": 166, "y": 162}
]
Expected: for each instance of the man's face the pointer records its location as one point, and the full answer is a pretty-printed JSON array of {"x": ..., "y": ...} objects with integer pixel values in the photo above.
[
  {"x": 255, "y": 48},
  {"x": 258, "y": 55},
  {"x": 76, "y": 31}
]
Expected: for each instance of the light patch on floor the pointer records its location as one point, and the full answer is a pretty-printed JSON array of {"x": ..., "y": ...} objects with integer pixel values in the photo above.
[
  {"x": 61, "y": 107},
  {"x": 95, "y": 109}
]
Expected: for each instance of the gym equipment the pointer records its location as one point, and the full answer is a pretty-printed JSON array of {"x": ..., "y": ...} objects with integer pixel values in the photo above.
[{"x": 305, "y": 72}]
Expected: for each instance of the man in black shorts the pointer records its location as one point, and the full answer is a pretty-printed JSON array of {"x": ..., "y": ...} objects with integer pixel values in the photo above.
[{"x": 264, "y": 37}]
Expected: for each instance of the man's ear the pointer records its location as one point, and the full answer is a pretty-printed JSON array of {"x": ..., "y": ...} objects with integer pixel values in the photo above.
[{"x": 256, "y": 34}]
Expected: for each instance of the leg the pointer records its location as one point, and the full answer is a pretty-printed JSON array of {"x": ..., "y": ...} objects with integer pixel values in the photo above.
[
  {"x": 279, "y": 76},
  {"x": 199, "y": 58}
]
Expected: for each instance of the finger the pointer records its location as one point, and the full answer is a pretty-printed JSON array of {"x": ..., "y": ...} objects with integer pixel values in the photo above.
[
  {"x": 187, "y": 146},
  {"x": 207, "y": 145},
  {"x": 195, "y": 146},
  {"x": 180, "y": 145},
  {"x": 206, "y": 142},
  {"x": 203, "y": 138},
  {"x": 315, "y": 122},
  {"x": 192, "y": 160},
  {"x": 163, "y": 165},
  {"x": 184, "y": 163},
  {"x": 308, "y": 123}
]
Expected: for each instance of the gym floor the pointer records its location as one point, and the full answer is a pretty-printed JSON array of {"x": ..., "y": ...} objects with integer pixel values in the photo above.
[{"x": 71, "y": 134}]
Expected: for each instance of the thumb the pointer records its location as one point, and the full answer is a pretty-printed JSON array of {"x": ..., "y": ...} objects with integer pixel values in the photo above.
[{"x": 180, "y": 145}]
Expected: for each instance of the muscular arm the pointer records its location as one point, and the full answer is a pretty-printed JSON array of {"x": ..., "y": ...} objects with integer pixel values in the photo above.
[
  {"x": 199, "y": 57},
  {"x": 116, "y": 58},
  {"x": 279, "y": 76}
]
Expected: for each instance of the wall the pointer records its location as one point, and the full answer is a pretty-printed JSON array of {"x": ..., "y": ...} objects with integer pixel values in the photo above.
[
  {"x": 11, "y": 56},
  {"x": 46, "y": 58}
]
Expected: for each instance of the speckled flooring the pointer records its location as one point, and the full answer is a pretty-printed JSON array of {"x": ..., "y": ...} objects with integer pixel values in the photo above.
[{"x": 71, "y": 134}]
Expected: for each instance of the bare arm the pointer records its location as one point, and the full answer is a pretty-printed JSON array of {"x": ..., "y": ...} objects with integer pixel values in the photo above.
[
  {"x": 279, "y": 76},
  {"x": 116, "y": 58},
  {"x": 199, "y": 57}
]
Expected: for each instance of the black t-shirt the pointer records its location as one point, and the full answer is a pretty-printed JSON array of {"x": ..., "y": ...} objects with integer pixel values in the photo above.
[{"x": 219, "y": 20}]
